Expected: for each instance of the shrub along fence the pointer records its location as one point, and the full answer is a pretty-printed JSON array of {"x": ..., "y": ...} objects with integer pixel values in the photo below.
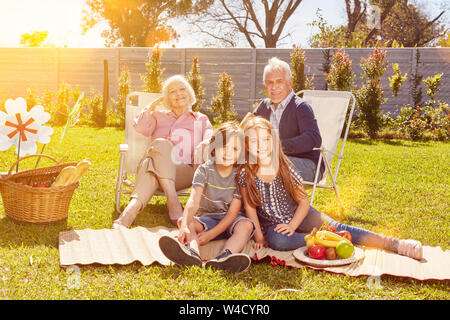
[{"x": 43, "y": 69}]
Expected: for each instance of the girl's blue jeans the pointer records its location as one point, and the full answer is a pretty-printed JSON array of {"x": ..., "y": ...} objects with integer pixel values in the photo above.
[{"x": 314, "y": 218}]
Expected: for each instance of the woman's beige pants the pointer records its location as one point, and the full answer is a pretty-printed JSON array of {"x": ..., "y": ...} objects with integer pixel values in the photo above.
[{"x": 157, "y": 163}]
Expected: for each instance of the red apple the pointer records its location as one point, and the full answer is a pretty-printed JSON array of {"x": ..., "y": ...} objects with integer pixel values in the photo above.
[
  {"x": 317, "y": 252},
  {"x": 345, "y": 234}
]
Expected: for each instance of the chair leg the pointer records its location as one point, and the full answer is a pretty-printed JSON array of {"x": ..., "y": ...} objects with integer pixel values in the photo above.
[
  {"x": 120, "y": 179},
  {"x": 338, "y": 196},
  {"x": 333, "y": 181},
  {"x": 316, "y": 177},
  {"x": 118, "y": 194}
]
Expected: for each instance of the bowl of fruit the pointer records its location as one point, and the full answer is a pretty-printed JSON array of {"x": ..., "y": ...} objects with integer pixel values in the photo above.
[{"x": 328, "y": 248}]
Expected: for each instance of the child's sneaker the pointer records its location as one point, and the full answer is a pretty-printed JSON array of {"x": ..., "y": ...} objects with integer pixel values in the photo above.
[
  {"x": 234, "y": 262},
  {"x": 410, "y": 248},
  {"x": 179, "y": 253}
]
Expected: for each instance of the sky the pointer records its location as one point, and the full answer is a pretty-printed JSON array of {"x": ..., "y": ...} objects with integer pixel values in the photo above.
[{"x": 62, "y": 19}]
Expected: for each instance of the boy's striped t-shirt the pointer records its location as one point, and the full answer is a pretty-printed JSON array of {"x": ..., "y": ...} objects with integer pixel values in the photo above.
[{"x": 218, "y": 191}]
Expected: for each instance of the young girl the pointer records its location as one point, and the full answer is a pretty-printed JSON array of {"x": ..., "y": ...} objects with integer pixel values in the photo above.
[
  {"x": 213, "y": 210},
  {"x": 275, "y": 200}
]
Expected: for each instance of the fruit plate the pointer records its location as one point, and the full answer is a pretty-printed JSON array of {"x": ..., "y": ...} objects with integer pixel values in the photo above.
[{"x": 299, "y": 254}]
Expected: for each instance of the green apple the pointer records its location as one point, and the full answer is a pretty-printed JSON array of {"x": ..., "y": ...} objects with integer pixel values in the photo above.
[{"x": 344, "y": 249}]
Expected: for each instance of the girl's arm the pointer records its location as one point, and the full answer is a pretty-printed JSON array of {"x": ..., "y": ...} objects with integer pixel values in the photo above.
[
  {"x": 253, "y": 215},
  {"x": 188, "y": 214},
  {"x": 297, "y": 219},
  {"x": 232, "y": 213}
]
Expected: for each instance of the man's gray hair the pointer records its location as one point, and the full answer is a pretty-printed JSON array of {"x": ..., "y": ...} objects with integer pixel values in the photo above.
[{"x": 276, "y": 64}]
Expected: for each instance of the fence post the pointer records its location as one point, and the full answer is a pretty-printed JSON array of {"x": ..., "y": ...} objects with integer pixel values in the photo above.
[
  {"x": 58, "y": 68},
  {"x": 183, "y": 63},
  {"x": 117, "y": 73},
  {"x": 412, "y": 72},
  {"x": 253, "y": 80}
]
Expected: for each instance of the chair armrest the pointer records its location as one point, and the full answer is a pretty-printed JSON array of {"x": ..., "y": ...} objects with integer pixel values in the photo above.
[
  {"x": 323, "y": 149},
  {"x": 123, "y": 147}
]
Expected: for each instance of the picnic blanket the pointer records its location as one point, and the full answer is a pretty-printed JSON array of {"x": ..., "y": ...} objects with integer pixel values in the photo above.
[{"x": 125, "y": 246}]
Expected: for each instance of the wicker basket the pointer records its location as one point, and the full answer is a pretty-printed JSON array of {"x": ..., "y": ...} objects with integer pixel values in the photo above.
[{"x": 25, "y": 203}]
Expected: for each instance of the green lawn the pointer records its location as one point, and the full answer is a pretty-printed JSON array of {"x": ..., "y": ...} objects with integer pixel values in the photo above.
[{"x": 397, "y": 188}]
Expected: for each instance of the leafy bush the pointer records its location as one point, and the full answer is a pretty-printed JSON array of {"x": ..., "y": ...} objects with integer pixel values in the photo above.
[
  {"x": 124, "y": 89},
  {"x": 153, "y": 72},
  {"x": 397, "y": 80},
  {"x": 369, "y": 96},
  {"x": 99, "y": 111},
  {"x": 340, "y": 77},
  {"x": 59, "y": 103},
  {"x": 195, "y": 80},
  {"x": 221, "y": 105},
  {"x": 298, "y": 57},
  {"x": 430, "y": 121},
  {"x": 433, "y": 83}
]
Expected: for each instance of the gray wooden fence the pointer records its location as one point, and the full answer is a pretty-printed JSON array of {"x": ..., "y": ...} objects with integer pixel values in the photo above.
[{"x": 47, "y": 68}]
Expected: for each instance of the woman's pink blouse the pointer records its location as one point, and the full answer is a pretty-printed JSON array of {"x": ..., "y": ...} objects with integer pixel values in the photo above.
[{"x": 185, "y": 132}]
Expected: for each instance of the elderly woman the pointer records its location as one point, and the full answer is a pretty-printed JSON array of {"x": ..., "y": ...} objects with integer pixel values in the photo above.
[{"x": 169, "y": 163}]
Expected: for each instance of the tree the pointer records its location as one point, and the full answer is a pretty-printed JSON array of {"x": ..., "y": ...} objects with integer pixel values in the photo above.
[
  {"x": 258, "y": 22},
  {"x": 334, "y": 37},
  {"x": 389, "y": 23},
  {"x": 444, "y": 40},
  {"x": 34, "y": 39},
  {"x": 410, "y": 26},
  {"x": 134, "y": 23}
]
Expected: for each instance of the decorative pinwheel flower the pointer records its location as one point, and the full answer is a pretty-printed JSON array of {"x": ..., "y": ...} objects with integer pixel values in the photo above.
[{"x": 23, "y": 128}]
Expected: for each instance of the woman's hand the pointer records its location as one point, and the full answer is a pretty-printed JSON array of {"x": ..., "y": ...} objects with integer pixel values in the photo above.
[
  {"x": 285, "y": 229},
  {"x": 154, "y": 104},
  {"x": 204, "y": 237}
]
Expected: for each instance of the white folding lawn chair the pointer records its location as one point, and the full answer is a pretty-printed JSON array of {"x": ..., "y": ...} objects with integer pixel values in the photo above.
[
  {"x": 132, "y": 151},
  {"x": 330, "y": 109}
]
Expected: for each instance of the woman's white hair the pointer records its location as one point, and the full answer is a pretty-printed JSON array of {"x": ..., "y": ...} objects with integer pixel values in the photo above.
[
  {"x": 173, "y": 79},
  {"x": 276, "y": 64}
]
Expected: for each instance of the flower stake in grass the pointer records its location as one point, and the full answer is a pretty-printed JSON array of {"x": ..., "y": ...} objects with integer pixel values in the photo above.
[{"x": 73, "y": 117}]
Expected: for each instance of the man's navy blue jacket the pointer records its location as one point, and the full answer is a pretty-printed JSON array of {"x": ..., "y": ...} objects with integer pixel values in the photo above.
[{"x": 298, "y": 129}]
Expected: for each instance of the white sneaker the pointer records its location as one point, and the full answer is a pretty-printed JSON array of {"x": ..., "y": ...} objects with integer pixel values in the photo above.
[{"x": 410, "y": 248}]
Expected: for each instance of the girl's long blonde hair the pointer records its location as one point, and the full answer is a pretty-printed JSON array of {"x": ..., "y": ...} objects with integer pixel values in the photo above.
[{"x": 251, "y": 167}]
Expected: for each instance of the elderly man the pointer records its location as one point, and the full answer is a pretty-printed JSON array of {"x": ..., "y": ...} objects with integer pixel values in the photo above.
[{"x": 292, "y": 117}]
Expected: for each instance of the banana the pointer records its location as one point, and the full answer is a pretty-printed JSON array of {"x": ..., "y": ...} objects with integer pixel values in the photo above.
[
  {"x": 328, "y": 235},
  {"x": 310, "y": 241},
  {"x": 326, "y": 243}
]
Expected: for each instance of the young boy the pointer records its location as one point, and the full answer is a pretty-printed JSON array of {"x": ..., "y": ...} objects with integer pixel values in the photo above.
[{"x": 213, "y": 210}]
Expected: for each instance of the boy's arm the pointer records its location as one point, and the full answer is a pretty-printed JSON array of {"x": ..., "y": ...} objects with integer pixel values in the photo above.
[{"x": 190, "y": 210}]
